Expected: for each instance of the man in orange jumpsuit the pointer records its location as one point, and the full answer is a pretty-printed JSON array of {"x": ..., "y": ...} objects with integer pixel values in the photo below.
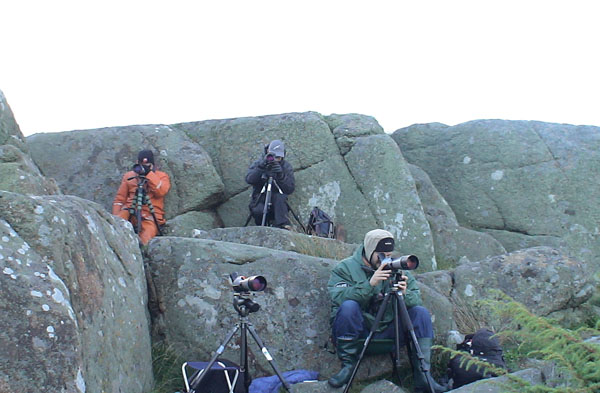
[{"x": 156, "y": 185}]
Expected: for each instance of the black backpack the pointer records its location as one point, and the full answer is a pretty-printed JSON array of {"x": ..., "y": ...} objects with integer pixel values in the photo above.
[
  {"x": 481, "y": 345},
  {"x": 320, "y": 224}
]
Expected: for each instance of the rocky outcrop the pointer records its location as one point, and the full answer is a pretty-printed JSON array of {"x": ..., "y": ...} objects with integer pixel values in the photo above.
[
  {"x": 527, "y": 183},
  {"x": 208, "y": 160},
  {"x": 73, "y": 298},
  {"x": 73, "y": 284}
]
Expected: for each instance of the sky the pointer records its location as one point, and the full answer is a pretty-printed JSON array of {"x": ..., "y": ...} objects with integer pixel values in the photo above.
[{"x": 67, "y": 65}]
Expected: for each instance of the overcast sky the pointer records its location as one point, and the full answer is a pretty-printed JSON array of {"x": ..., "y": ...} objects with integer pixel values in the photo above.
[{"x": 68, "y": 65}]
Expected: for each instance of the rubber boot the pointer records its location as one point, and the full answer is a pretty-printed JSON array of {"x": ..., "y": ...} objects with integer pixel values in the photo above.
[
  {"x": 347, "y": 351},
  {"x": 419, "y": 379}
]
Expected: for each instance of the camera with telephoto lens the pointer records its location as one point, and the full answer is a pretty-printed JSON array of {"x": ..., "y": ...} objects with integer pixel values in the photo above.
[
  {"x": 141, "y": 170},
  {"x": 269, "y": 160},
  {"x": 248, "y": 284},
  {"x": 405, "y": 262}
]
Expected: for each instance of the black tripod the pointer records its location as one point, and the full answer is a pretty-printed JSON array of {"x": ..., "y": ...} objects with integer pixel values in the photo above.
[
  {"x": 400, "y": 315},
  {"x": 244, "y": 306},
  {"x": 140, "y": 199},
  {"x": 268, "y": 190}
]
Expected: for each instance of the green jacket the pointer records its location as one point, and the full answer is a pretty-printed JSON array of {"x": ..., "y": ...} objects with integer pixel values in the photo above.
[{"x": 349, "y": 281}]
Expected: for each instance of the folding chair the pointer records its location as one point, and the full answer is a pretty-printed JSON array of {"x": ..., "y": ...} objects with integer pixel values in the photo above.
[{"x": 199, "y": 367}]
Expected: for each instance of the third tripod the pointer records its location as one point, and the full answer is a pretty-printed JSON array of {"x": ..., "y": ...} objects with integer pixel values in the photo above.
[{"x": 401, "y": 319}]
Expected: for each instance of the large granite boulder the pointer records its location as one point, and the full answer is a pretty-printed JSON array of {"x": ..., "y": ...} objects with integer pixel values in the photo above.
[
  {"x": 91, "y": 163},
  {"x": 18, "y": 173},
  {"x": 234, "y": 144},
  {"x": 382, "y": 175},
  {"x": 451, "y": 241},
  {"x": 519, "y": 179},
  {"x": 541, "y": 278},
  {"x": 312, "y": 148},
  {"x": 73, "y": 298},
  {"x": 192, "y": 282}
]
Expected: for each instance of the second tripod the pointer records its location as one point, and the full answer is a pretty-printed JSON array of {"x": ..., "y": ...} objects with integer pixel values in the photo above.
[{"x": 244, "y": 306}]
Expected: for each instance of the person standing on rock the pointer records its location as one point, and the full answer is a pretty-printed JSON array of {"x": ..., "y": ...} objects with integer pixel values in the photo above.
[
  {"x": 156, "y": 185},
  {"x": 356, "y": 286},
  {"x": 274, "y": 165}
]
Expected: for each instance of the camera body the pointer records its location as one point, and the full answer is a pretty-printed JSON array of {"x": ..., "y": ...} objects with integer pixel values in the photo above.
[{"x": 141, "y": 170}]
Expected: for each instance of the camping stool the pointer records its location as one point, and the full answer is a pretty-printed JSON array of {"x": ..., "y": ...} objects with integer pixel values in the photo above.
[{"x": 217, "y": 366}]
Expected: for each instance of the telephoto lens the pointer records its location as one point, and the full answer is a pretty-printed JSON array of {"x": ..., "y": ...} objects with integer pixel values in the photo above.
[
  {"x": 405, "y": 262},
  {"x": 249, "y": 284}
]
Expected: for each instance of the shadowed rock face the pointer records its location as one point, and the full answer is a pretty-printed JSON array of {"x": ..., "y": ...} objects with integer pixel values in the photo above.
[
  {"x": 527, "y": 183},
  {"x": 73, "y": 298}
]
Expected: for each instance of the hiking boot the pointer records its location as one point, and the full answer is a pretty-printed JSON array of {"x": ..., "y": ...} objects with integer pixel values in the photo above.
[{"x": 347, "y": 351}]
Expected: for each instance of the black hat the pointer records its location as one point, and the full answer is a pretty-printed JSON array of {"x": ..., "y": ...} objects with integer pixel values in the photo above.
[
  {"x": 385, "y": 245},
  {"x": 147, "y": 154}
]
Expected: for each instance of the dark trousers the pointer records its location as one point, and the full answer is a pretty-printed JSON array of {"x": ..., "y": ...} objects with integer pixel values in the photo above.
[
  {"x": 277, "y": 214},
  {"x": 349, "y": 323}
]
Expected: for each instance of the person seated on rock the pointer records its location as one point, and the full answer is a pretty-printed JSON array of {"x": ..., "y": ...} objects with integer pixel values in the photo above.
[
  {"x": 274, "y": 165},
  {"x": 356, "y": 287},
  {"x": 156, "y": 186}
]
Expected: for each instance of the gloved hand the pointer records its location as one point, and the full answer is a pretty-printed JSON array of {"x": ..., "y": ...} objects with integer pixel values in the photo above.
[
  {"x": 276, "y": 168},
  {"x": 262, "y": 166},
  {"x": 141, "y": 170}
]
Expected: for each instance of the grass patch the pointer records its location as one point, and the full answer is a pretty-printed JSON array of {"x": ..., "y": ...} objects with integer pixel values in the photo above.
[{"x": 166, "y": 365}]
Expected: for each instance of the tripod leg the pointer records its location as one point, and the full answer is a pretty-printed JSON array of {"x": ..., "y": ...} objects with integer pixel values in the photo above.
[
  {"x": 200, "y": 376},
  {"x": 295, "y": 216},
  {"x": 267, "y": 201},
  {"x": 423, "y": 364},
  {"x": 248, "y": 219},
  {"x": 268, "y": 356},
  {"x": 378, "y": 317}
]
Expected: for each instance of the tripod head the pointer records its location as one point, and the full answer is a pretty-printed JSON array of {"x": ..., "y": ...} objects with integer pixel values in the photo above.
[
  {"x": 243, "y": 304},
  {"x": 141, "y": 179},
  {"x": 243, "y": 286}
]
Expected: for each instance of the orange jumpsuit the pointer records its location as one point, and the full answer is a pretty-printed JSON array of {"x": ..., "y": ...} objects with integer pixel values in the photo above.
[{"x": 156, "y": 188}]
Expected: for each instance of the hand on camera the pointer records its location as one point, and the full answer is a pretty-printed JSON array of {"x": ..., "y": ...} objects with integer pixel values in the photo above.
[
  {"x": 276, "y": 167},
  {"x": 144, "y": 168},
  {"x": 402, "y": 284},
  {"x": 379, "y": 276}
]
